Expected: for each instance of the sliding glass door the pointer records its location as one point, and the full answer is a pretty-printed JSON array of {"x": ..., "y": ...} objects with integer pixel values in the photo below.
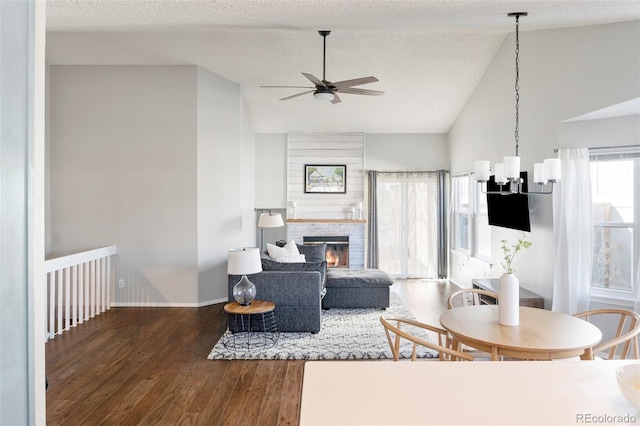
[{"x": 407, "y": 205}]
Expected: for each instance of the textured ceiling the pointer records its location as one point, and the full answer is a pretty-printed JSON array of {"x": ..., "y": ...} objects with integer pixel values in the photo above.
[{"x": 428, "y": 55}]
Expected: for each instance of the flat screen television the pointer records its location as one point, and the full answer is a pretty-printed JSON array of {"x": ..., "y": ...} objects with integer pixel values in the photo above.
[{"x": 509, "y": 211}]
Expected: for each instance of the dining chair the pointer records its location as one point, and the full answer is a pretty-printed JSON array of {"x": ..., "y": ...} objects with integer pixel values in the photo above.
[
  {"x": 469, "y": 296},
  {"x": 626, "y": 336},
  {"x": 397, "y": 329}
]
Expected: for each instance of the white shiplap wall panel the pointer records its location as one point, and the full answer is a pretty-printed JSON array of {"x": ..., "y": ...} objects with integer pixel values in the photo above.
[{"x": 325, "y": 148}]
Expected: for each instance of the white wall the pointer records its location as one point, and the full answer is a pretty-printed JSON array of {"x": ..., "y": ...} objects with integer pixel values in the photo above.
[
  {"x": 405, "y": 152},
  {"x": 22, "y": 149},
  {"x": 225, "y": 156},
  {"x": 614, "y": 131},
  {"x": 325, "y": 149},
  {"x": 382, "y": 151},
  {"x": 563, "y": 74},
  {"x": 150, "y": 158},
  {"x": 271, "y": 170}
]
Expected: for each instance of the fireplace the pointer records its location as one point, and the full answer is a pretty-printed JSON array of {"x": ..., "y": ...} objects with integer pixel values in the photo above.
[{"x": 337, "y": 253}]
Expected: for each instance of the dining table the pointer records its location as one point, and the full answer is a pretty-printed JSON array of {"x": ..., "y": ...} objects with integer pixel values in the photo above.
[
  {"x": 402, "y": 393},
  {"x": 541, "y": 334}
]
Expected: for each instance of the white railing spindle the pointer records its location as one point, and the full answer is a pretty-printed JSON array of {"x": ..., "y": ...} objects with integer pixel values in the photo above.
[
  {"x": 67, "y": 298},
  {"x": 81, "y": 302},
  {"x": 52, "y": 305},
  {"x": 60, "y": 304},
  {"x": 93, "y": 288},
  {"x": 79, "y": 288}
]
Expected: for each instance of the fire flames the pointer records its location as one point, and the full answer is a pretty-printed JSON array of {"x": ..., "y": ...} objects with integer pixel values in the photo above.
[{"x": 332, "y": 258}]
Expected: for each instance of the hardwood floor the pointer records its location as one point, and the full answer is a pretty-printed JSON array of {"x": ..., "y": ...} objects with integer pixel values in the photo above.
[{"x": 149, "y": 366}]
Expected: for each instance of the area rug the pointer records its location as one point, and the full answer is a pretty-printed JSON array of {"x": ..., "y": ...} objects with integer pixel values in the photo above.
[{"x": 345, "y": 334}]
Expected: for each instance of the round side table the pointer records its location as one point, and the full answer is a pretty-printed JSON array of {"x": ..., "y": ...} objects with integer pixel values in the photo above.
[{"x": 251, "y": 327}]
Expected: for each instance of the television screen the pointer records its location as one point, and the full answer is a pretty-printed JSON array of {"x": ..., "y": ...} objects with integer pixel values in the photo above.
[{"x": 508, "y": 211}]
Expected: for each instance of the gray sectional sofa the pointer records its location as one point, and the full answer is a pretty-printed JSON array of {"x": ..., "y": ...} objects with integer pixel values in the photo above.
[{"x": 298, "y": 289}]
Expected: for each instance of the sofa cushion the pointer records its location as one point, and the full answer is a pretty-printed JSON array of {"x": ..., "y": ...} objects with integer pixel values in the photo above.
[
  {"x": 313, "y": 252},
  {"x": 362, "y": 278},
  {"x": 270, "y": 265}
]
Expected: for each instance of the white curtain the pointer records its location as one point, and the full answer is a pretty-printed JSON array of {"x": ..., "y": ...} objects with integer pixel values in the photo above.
[
  {"x": 636, "y": 304},
  {"x": 408, "y": 224},
  {"x": 572, "y": 233}
]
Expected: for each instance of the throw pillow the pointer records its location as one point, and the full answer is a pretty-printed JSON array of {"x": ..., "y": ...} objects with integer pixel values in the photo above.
[
  {"x": 292, "y": 258},
  {"x": 313, "y": 252},
  {"x": 289, "y": 249}
]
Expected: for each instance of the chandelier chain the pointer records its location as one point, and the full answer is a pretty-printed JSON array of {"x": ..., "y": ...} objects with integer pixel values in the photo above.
[{"x": 517, "y": 86}]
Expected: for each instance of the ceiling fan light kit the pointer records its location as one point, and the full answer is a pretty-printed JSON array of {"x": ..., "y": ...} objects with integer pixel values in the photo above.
[
  {"x": 508, "y": 172},
  {"x": 323, "y": 96},
  {"x": 324, "y": 90}
]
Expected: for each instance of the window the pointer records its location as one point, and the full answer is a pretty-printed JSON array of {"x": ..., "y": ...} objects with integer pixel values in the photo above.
[
  {"x": 481, "y": 222},
  {"x": 407, "y": 224},
  {"x": 471, "y": 230},
  {"x": 615, "y": 182},
  {"x": 461, "y": 213}
]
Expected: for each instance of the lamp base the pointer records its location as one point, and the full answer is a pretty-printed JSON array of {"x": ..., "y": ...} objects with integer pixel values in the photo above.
[{"x": 244, "y": 291}]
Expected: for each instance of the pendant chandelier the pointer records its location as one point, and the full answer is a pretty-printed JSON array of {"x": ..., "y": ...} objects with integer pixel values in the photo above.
[{"x": 507, "y": 173}]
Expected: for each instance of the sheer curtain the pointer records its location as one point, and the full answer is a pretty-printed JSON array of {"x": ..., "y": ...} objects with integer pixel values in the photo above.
[
  {"x": 636, "y": 302},
  {"x": 407, "y": 217},
  {"x": 372, "y": 247},
  {"x": 572, "y": 233}
]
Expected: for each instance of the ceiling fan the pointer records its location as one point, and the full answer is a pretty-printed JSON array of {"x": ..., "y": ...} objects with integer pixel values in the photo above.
[{"x": 325, "y": 90}]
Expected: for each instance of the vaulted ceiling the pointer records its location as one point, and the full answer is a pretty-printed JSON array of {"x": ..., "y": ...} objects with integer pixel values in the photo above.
[{"x": 427, "y": 54}]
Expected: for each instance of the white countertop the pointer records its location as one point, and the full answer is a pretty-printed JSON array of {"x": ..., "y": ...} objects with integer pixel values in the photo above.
[{"x": 463, "y": 393}]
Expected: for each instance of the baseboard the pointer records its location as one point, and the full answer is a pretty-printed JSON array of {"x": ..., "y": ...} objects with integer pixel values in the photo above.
[{"x": 167, "y": 304}]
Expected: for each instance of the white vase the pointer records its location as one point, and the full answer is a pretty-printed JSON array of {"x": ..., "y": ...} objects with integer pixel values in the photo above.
[{"x": 509, "y": 300}]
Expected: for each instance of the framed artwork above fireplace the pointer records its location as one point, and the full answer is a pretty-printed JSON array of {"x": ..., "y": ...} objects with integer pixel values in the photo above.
[{"x": 325, "y": 178}]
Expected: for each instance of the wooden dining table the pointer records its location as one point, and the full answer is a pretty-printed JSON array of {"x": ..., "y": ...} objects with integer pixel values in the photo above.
[{"x": 541, "y": 334}]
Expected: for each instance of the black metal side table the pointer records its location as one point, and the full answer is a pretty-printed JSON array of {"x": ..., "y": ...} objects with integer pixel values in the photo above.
[{"x": 251, "y": 327}]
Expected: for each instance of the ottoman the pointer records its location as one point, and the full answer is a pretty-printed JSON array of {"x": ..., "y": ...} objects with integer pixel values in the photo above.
[{"x": 356, "y": 288}]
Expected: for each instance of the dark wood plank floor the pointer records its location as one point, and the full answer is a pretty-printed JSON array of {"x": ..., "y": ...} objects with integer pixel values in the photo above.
[{"x": 149, "y": 366}]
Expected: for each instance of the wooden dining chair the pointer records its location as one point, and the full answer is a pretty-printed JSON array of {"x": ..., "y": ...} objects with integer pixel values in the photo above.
[
  {"x": 397, "y": 329},
  {"x": 468, "y": 296},
  {"x": 625, "y": 342}
]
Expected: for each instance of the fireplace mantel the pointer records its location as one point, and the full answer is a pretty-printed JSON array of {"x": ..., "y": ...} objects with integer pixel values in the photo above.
[{"x": 326, "y": 221}]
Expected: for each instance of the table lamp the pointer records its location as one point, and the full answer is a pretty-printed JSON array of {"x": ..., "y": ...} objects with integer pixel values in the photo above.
[
  {"x": 244, "y": 261},
  {"x": 268, "y": 220}
]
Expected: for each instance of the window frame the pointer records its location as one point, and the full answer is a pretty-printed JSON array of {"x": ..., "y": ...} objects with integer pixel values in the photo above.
[
  {"x": 612, "y": 295},
  {"x": 472, "y": 214}
]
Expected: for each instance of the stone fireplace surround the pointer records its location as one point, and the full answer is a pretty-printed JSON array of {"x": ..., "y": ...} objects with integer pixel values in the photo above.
[{"x": 355, "y": 229}]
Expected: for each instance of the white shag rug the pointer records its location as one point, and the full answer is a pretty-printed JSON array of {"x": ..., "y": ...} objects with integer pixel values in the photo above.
[{"x": 345, "y": 334}]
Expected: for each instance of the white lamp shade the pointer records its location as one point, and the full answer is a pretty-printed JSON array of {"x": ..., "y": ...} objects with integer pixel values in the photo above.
[
  {"x": 244, "y": 261},
  {"x": 538, "y": 173},
  {"x": 552, "y": 169},
  {"x": 511, "y": 167},
  {"x": 482, "y": 170},
  {"x": 499, "y": 173},
  {"x": 323, "y": 96},
  {"x": 270, "y": 220}
]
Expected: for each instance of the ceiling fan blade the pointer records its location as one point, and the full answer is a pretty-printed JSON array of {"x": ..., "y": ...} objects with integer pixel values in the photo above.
[
  {"x": 355, "y": 82},
  {"x": 336, "y": 99},
  {"x": 287, "y": 87},
  {"x": 314, "y": 80},
  {"x": 298, "y": 94},
  {"x": 353, "y": 91}
]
